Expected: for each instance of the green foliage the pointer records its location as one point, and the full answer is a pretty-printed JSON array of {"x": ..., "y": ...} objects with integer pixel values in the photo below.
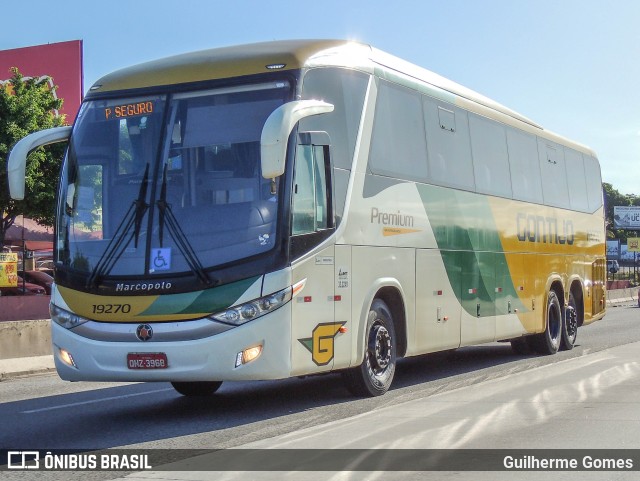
[
  {"x": 29, "y": 108},
  {"x": 614, "y": 198}
]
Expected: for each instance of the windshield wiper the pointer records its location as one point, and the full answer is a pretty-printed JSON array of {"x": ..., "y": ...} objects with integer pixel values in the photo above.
[
  {"x": 177, "y": 234},
  {"x": 122, "y": 236}
]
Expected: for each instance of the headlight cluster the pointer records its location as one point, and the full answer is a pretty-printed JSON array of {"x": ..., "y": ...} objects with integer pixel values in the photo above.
[
  {"x": 238, "y": 315},
  {"x": 64, "y": 318}
]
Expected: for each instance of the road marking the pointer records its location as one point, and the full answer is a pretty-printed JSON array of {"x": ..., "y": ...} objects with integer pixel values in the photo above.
[{"x": 93, "y": 401}]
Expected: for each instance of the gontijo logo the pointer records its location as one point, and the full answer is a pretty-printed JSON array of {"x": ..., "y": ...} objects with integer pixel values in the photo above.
[{"x": 546, "y": 230}]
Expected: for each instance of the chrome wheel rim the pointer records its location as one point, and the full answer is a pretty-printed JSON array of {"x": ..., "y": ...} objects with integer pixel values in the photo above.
[{"x": 379, "y": 349}]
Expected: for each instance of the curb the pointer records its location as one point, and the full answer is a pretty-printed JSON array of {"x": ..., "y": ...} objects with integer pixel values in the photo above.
[
  {"x": 26, "y": 366},
  {"x": 5, "y": 376},
  {"x": 623, "y": 297},
  {"x": 621, "y": 302}
]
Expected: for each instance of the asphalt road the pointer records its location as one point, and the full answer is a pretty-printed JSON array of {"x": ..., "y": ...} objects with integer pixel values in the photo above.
[{"x": 43, "y": 412}]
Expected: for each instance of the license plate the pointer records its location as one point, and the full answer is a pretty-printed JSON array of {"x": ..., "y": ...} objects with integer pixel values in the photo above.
[{"x": 147, "y": 360}]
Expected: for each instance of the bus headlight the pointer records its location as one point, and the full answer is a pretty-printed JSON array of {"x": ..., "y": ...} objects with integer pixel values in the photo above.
[
  {"x": 238, "y": 315},
  {"x": 64, "y": 318}
]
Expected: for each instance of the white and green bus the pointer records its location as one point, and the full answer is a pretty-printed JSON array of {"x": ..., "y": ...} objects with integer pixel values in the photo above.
[{"x": 299, "y": 207}]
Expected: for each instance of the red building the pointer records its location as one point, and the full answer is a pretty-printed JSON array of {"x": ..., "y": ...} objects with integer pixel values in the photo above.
[{"x": 60, "y": 61}]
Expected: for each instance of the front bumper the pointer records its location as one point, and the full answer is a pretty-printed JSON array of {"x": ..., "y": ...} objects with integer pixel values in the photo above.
[{"x": 206, "y": 359}]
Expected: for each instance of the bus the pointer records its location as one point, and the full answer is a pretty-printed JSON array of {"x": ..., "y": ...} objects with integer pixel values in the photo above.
[{"x": 294, "y": 208}]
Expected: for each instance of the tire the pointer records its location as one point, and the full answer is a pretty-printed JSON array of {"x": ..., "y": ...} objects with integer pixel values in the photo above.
[
  {"x": 570, "y": 325},
  {"x": 549, "y": 341},
  {"x": 203, "y": 388},
  {"x": 374, "y": 376}
]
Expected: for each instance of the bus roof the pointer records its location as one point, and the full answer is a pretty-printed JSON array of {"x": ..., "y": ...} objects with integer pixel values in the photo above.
[
  {"x": 216, "y": 63},
  {"x": 249, "y": 59}
]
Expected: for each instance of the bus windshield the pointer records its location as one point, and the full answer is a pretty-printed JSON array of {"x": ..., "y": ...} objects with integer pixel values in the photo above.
[{"x": 159, "y": 185}]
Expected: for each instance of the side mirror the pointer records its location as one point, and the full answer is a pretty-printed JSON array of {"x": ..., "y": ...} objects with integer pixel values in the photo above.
[
  {"x": 278, "y": 127},
  {"x": 17, "y": 162}
]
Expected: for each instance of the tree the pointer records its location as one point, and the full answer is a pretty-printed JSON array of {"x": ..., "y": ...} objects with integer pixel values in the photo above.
[
  {"x": 28, "y": 106},
  {"x": 614, "y": 198}
]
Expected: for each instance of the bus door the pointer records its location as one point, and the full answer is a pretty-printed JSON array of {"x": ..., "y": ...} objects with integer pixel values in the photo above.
[{"x": 315, "y": 331}]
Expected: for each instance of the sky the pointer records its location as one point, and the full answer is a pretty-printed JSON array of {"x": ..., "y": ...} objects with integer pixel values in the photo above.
[{"x": 572, "y": 66}]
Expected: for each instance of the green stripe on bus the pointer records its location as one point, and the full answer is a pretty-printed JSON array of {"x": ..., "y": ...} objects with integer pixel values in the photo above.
[
  {"x": 208, "y": 301},
  {"x": 468, "y": 239}
]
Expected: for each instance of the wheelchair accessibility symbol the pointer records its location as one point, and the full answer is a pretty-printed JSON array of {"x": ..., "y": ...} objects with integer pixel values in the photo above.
[{"x": 160, "y": 259}]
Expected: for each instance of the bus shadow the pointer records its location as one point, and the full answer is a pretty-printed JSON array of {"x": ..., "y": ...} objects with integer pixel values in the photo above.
[
  {"x": 149, "y": 412},
  {"x": 446, "y": 364}
]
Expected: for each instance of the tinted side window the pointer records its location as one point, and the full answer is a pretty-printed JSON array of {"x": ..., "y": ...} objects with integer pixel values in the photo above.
[
  {"x": 448, "y": 145},
  {"x": 594, "y": 183},
  {"x": 490, "y": 156},
  {"x": 554, "y": 174},
  {"x": 576, "y": 179},
  {"x": 345, "y": 89},
  {"x": 398, "y": 146},
  {"x": 525, "y": 168}
]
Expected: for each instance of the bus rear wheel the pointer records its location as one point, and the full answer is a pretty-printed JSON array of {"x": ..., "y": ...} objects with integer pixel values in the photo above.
[
  {"x": 202, "y": 388},
  {"x": 570, "y": 324},
  {"x": 548, "y": 342},
  {"x": 374, "y": 376}
]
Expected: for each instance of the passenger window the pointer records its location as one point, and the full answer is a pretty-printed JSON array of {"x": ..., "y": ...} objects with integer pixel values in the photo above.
[
  {"x": 490, "y": 156},
  {"x": 524, "y": 166},
  {"x": 554, "y": 174},
  {"x": 345, "y": 90},
  {"x": 448, "y": 145},
  {"x": 398, "y": 146},
  {"x": 310, "y": 191},
  {"x": 576, "y": 179},
  {"x": 594, "y": 183}
]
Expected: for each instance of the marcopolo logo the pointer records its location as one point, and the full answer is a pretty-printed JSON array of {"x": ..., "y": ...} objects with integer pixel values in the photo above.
[{"x": 143, "y": 286}]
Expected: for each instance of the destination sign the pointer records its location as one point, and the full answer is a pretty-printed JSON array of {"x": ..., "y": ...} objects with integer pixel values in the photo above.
[{"x": 129, "y": 110}]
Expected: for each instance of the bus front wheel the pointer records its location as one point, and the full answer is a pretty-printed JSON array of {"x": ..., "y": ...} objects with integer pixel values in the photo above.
[
  {"x": 374, "y": 376},
  {"x": 203, "y": 388}
]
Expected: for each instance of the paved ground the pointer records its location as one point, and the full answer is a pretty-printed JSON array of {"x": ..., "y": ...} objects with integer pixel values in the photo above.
[
  {"x": 590, "y": 402},
  {"x": 581, "y": 403}
]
